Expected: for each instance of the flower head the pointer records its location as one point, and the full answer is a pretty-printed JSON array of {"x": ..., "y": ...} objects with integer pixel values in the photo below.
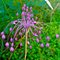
[
  {"x": 48, "y": 38},
  {"x": 57, "y": 35},
  {"x": 42, "y": 45},
  {"x": 3, "y": 37},
  {"x": 7, "y": 44},
  {"x": 47, "y": 44},
  {"x": 30, "y": 47},
  {"x": 11, "y": 49}
]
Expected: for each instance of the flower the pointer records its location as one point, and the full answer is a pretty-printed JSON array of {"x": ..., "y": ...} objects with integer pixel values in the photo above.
[
  {"x": 7, "y": 44},
  {"x": 16, "y": 38},
  {"x": 42, "y": 45},
  {"x": 48, "y": 38},
  {"x": 11, "y": 29},
  {"x": 30, "y": 47},
  {"x": 14, "y": 22},
  {"x": 47, "y": 44},
  {"x": 35, "y": 34},
  {"x": 37, "y": 40},
  {"x": 11, "y": 49},
  {"x": 20, "y": 44},
  {"x": 12, "y": 44},
  {"x": 11, "y": 39},
  {"x": 2, "y": 33},
  {"x": 57, "y": 35},
  {"x": 3, "y": 37}
]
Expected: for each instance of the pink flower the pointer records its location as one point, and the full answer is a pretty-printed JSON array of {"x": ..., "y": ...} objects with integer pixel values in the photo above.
[
  {"x": 7, "y": 44},
  {"x": 37, "y": 40},
  {"x": 57, "y": 35},
  {"x": 20, "y": 44},
  {"x": 34, "y": 22},
  {"x": 47, "y": 44},
  {"x": 11, "y": 29},
  {"x": 14, "y": 22},
  {"x": 23, "y": 13},
  {"x": 48, "y": 38},
  {"x": 12, "y": 44},
  {"x": 42, "y": 45},
  {"x": 3, "y": 36},
  {"x": 16, "y": 38},
  {"x": 30, "y": 47},
  {"x": 35, "y": 34},
  {"x": 2, "y": 33},
  {"x": 11, "y": 49},
  {"x": 11, "y": 39}
]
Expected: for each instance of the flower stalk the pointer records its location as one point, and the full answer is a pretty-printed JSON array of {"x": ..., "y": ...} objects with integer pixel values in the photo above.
[{"x": 26, "y": 43}]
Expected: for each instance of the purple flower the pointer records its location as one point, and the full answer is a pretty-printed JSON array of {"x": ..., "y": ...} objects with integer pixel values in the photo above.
[
  {"x": 47, "y": 44},
  {"x": 57, "y": 35},
  {"x": 48, "y": 38},
  {"x": 12, "y": 44},
  {"x": 3, "y": 36},
  {"x": 11, "y": 49},
  {"x": 2, "y": 33},
  {"x": 30, "y": 47},
  {"x": 11, "y": 39},
  {"x": 11, "y": 29},
  {"x": 34, "y": 22},
  {"x": 20, "y": 44},
  {"x": 16, "y": 38},
  {"x": 39, "y": 32},
  {"x": 20, "y": 33},
  {"x": 42, "y": 45},
  {"x": 35, "y": 34},
  {"x": 14, "y": 22},
  {"x": 23, "y": 13},
  {"x": 7, "y": 44},
  {"x": 37, "y": 40}
]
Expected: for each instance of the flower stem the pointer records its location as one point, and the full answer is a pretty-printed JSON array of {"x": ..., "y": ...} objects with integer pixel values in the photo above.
[{"x": 26, "y": 44}]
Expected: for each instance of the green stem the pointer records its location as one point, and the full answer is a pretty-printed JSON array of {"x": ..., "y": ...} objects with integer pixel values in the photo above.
[{"x": 26, "y": 44}]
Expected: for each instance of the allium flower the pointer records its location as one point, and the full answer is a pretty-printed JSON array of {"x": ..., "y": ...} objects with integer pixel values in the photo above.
[
  {"x": 30, "y": 47},
  {"x": 42, "y": 45},
  {"x": 35, "y": 34},
  {"x": 37, "y": 40},
  {"x": 19, "y": 28},
  {"x": 48, "y": 38},
  {"x": 11, "y": 49},
  {"x": 3, "y": 37},
  {"x": 7, "y": 44},
  {"x": 57, "y": 35},
  {"x": 11, "y": 39},
  {"x": 2, "y": 33},
  {"x": 14, "y": 22},
  {"x": 47, "y": 44},
  {"x": 20, "y": 44},
  {"x": 12, "y": 44},
  {"x": 11, "y": 29},
  {"x": 16, "y": 38}
]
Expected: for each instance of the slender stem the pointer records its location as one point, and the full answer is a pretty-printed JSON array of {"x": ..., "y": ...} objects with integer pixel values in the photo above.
[{"x": 26, "y": 44}]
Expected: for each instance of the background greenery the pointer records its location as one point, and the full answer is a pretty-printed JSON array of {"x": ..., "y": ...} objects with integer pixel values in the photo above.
[{"x": 8, "y": 10}]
